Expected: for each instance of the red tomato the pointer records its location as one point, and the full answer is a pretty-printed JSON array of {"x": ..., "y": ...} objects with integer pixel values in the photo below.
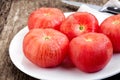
[
  {"x": 45, "y": 47},
  {"x": 111, "y": 28},
  {"x": 91, "y": 52},
  {"x": 46, "y": 18},
  {"x": 79, "y": 23}
]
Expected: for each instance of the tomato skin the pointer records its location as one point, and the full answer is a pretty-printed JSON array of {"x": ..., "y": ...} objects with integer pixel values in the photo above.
[
  {"x": 111, "y": 28},
  {"x": 45, "y": 47},
  {"x": 46, "y": 18},
  {"x": 90, "y": 52},
  {"x": 79, "y": 23}
]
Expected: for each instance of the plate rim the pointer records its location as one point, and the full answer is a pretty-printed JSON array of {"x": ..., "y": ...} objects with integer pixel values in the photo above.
[{"x": 12, "y": 41}]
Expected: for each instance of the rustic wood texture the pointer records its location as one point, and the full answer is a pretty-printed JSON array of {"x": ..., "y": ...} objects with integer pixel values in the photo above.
[
  {"x": 13, "y": 17},
  {"x": 96, "y": 2},
  {"x": 4, "y": 9}
]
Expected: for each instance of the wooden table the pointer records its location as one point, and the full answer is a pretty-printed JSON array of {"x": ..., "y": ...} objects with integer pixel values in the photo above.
[{"x": 13, "y": 17}]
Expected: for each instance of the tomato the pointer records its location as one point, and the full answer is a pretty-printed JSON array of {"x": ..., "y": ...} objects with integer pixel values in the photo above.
[
  {"x": 90, "y": 52},
  {"x": 111, "y": 28},
  {"x": 46, "y": 18},
  {"x": 45, "y": 47},
  {"x": 79, "y": 23}
]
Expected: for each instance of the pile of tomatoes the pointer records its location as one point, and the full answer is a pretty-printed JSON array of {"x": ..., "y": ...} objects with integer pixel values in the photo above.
[{"x": 52, "y": 38}]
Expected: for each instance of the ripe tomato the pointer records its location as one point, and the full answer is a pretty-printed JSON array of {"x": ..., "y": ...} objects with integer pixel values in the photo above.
[
  {"x": 90, "y": 52},
  {"x": 45, "y": 47},
  {"x": 111, "y": 28},
  {"x": 79, "y": 23},
  {"x": 46, "y": 18}
]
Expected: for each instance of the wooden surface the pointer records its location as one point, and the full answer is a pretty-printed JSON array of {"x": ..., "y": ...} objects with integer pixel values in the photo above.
[{"x": 13, "y": 17}]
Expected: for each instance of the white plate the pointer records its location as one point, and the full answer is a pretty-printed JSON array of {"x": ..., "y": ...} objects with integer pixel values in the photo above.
[{"x": 58, "y": 73}]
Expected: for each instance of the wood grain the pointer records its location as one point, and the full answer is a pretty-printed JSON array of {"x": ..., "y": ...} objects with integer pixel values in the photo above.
[
  {"x": 13, "y": 17},
  {"x": 4, "y": 9},
  {"x": 96, "y": 2},
  {"x": 15, "y": 21}
]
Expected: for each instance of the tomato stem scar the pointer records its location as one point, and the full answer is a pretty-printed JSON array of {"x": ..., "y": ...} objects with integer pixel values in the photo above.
[
  {"x": 116, "y": 22},
  {"x": 81, "y": 28},
  {"x": 46, "y": 37}
]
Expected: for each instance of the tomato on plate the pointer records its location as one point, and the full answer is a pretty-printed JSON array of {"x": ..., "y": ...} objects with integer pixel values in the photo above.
[
  {"x": 90, "y": 52},
  {"x": 79, "y": 23},
  {"x": 45, "y": 47},
  {"x": 46, "y": 18},
  {"x": 111, "y": 28}
]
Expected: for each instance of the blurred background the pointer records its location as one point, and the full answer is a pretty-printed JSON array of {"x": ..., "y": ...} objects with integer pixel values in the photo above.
[{"x": 5, "y": 6}]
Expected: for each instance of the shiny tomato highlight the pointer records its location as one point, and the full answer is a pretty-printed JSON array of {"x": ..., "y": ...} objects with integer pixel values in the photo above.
[
  {"x": 90, "y": 52},
  {"x": 111, "y": 28},
  {"x": 79, "y": 23},
  {"x": 46, "y": 18},
  {"x": 45, "y": 47}
]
